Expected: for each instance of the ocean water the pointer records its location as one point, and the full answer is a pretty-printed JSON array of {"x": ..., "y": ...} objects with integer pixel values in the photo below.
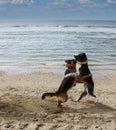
[{"x": 45, "y": 45}]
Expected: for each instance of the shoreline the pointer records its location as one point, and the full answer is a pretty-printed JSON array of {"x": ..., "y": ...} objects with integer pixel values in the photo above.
[
  {"x": 21, "y": 106},
  {"x": 57, "y": 70}
]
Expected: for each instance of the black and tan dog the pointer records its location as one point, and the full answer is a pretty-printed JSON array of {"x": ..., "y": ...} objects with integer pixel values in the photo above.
[
  {"x": 68, "y": 82},
  {"x": 84, "y": 75}
]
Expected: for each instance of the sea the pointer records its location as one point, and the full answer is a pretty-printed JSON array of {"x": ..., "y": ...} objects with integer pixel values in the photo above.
[{"x": 44, "y": 45}]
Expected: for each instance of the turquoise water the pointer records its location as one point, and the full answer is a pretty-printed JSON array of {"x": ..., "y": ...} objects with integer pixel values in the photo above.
[{"x": 44, "y": 45}]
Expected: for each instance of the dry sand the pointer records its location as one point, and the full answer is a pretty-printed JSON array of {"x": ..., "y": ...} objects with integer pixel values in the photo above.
[{"x": 21, "y": 107}]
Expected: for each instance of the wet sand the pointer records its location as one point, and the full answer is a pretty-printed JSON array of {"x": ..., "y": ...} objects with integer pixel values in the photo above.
[{"x": 21, "y": 107}]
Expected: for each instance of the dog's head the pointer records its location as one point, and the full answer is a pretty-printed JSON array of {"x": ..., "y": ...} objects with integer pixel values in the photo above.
[
  {"x": 70, "y": 63},
  {"x": 81, "y": 57}
]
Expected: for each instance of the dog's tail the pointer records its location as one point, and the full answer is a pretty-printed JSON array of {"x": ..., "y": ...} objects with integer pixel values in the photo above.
[{"x": 44, "y": 95}]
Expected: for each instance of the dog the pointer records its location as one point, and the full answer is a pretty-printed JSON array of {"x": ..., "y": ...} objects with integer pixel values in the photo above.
[
  {"x": 84, "y": 75},
  {"x": 67, "y": 83}
]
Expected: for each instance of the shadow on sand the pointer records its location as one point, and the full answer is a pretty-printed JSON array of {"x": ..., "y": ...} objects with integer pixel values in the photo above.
[
  {"x": 22, "y": 104},
  {"x": 90, "y": 107}
]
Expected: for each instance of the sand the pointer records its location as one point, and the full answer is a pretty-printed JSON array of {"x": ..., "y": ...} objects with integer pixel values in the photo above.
[{"x": 21, "y": 107}]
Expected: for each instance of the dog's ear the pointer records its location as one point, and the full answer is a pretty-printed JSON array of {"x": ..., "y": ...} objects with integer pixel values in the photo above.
[{"x": 83, "y": 54}]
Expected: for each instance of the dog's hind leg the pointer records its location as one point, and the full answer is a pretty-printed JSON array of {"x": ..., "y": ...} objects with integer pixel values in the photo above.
[
  {"x": 82, "y": 95},
  {"x": 91, "y": 89},
  {"x": 91, "y": 92},
  {"x": 85, "y": 92},
  {"x": 96, "y": 100}
]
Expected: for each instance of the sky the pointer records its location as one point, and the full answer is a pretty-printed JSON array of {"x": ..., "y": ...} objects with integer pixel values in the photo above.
[{"x": 58, "y": 9}]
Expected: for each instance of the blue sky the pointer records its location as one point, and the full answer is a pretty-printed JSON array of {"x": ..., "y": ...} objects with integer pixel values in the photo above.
[{"x": 58, "y": 9}]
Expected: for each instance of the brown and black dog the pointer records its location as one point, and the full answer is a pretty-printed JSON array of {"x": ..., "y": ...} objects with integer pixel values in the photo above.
[{"x": 68, "y": 82}]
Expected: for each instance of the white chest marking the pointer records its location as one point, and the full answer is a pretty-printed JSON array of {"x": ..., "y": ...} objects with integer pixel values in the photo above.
[{"x": 78, "y": 66}]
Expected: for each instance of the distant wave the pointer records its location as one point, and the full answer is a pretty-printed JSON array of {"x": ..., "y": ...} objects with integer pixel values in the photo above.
[
  {"x": 62, "y": 26},
  {"x": 59, "y": 29},
  {"x": 18, "y": 26},
  {"x": 52, "y": 64}
]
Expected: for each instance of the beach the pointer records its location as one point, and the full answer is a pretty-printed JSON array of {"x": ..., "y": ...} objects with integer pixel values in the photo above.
[
  {"x": 21, "y": 106},
  {"x": 32, "y": 61}
]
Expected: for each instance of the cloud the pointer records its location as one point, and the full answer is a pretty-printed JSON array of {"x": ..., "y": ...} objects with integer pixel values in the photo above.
[
  {"x": 103, "y": 5},
  {"x": 3, "y": 2},
  {"x": 84, "y": 1},
  {"x": 111, "y": 1},
  {"x": 60, "y": 3},
  {"x": 66, "y": 4},
  {"x": 17, "y": 1},
  {"x": 22, "y": 1},
  {"x": 57, "y": 2},
  {"x": 81, "y": 5}
]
